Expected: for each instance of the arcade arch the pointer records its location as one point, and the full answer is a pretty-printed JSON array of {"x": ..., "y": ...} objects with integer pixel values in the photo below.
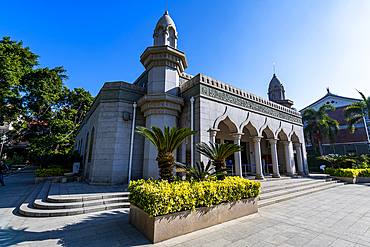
[{"x": 265, "y": 150}]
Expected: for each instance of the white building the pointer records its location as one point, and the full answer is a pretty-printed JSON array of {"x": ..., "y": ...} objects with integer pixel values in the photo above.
[{"x": 270, "y": 132}]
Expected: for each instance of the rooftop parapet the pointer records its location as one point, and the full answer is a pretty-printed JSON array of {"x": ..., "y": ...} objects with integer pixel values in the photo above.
[{"x": 206, "y": 80}]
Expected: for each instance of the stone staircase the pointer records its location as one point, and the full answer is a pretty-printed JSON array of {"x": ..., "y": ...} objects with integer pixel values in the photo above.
[
  {"x": 274, "y": 191},
  {"x": 50, "y": 199},
  {"x": 47, "y": 201}
]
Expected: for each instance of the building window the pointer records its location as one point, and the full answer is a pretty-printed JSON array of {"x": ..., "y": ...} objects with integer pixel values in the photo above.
[{"x": 91, "y": 145}]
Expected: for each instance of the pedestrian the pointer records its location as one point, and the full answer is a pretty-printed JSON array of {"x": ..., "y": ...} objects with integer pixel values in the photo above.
[{"x": 3, "y": 169}]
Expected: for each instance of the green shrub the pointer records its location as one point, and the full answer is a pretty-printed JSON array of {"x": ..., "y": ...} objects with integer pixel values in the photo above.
[
  {"x": 14, "y": 161},
  {"x": 339, "y": 172},
  {"x": 364, "y": 173},
  {"x": 51, "y": 172},
  {"x": 158, "y": 197},
  {"x": 314, "y": 164}
]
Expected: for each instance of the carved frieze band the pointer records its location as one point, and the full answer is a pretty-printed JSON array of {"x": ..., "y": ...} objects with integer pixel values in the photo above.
[{"x": 226, "y": 97}]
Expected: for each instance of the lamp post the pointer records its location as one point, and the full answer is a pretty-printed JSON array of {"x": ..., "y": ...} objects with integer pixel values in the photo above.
[{"x": 3, "y": 138}]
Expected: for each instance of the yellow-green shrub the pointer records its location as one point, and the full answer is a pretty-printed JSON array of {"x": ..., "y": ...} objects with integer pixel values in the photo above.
[
  {"x": 348, "y": 173},
  {"x": 50, "y": 172},
  {"x": 158, "y": 197},
  {"x": 364, "y": 172}
]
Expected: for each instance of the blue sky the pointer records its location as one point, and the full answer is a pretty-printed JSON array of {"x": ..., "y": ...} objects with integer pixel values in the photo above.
[{"x": 315, "y": 44}]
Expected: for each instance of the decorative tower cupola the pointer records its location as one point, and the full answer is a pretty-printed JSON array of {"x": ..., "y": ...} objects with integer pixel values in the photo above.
[
  {"x": 161, "y": 105},
  {"x": 163, "y": 61},
  {"x": 276, "y": 92},
  {"x": 165, "y": 32}
]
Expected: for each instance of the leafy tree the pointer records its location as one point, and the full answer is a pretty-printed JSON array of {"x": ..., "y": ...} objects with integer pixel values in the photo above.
[
  {"x": 218, "y": 153},
  {"x": 166, "y": 142},
  {"x": 15, "y": 62},
  {"x": 356, "y": 111},
  {"x": 51, "y": 128},
  {"x": 43, "y": 110},
  {"x": 320, "y": 126}
]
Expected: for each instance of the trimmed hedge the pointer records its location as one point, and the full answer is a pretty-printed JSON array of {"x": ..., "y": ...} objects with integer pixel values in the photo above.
[
  {"x": 50, "y": 172},
  {"x": 158, "y": 197},
  {"x": 364, "y": 172},
  {"x": 348, "y": 173}
]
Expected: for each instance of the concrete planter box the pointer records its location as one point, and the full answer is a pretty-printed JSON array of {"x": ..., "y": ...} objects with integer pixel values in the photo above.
[
  {"x": 345, "y": 179},
  {"x": 160, "y": 228},
  {"x": 44, "y": 179},
  {"x": 353, "y": 180},
  {"x": 363, "y": 180}
]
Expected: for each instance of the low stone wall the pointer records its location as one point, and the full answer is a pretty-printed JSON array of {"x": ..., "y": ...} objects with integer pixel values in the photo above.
[
  {"x": 160, "y": 228},
  {"x": 363, "y": 180},
  {"x": 353, "y": 180},
  {"x": 345, "y": 179},
  {"x": 44, "y": 179}
]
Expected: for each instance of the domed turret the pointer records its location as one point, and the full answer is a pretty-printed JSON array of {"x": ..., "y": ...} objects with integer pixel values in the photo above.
[
  {"x": 165, "y": 32},
  {"x": 276, "y": 89},
  {"x": 276, "y": 92}
]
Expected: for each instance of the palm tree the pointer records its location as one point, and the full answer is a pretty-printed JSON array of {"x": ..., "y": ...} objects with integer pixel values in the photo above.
[
  {"x": 218, "y": 153},
  {"x": 356, "y": 111},
  {"x": 319, "y": 126},
  {"x": 338, "y": 161},
  {"x": 201, "y": 172},
  {"x": 166, "y": 142}
]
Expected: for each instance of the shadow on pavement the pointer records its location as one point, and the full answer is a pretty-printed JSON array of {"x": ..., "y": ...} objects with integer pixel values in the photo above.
[{"x": 106, "y": 229}]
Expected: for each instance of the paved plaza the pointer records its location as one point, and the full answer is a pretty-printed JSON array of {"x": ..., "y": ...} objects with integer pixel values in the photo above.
[{"x": 333, "y": 217}]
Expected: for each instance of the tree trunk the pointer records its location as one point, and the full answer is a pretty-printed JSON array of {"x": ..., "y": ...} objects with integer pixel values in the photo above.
[
  {"x": 166, "y": 166},
  {"x": 220, "y": 164},
  {"x": 320, "y": 147}
]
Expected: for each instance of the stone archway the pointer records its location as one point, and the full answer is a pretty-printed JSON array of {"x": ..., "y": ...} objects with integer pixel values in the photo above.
[
  {"x": 270, "y": 161},
  {"x": 227, "y": 132},
  {"x": 298, "y": 154},
  {"x": 285, "y": 154}
]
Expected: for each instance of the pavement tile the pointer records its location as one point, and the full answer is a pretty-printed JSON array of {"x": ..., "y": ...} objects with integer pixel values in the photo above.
[
  {"x": 240, "y": 243},
  {"x": 276, "y": 239},
  {"x": 298, "y": 240},
  {"x": 363, "y": 243},
  {"x": 255, "y": 238},
  {"x": 218, "y": 243},
  {"x": 342, "y": 243}
]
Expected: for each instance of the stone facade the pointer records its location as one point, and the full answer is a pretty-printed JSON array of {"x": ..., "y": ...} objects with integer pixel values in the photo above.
[{"x": 270, "y": 132}]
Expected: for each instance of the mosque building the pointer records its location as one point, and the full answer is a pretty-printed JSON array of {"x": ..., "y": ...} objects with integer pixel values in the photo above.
[{"x": 270, "y": 131}]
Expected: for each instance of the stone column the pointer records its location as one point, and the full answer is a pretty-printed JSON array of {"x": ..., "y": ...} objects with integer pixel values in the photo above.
[
  {"x": 213, "y": 133},
  {"x": 257, "y": 155},
  {"x": 159, "y": 110},
  {"x": 299, "y": 158},
  {"x": 288, "y": 158},
  {"x": 274, "y": 156},
  {"x": 304, "y": 159},
  {"x": 238, "y": 155}
]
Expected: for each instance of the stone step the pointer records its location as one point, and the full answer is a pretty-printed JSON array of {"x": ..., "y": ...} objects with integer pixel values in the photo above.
[
  {"x": 24, "y": 208},
  {"x": 36, "y": 204},
  {"x": 68, "y": 205},
  {"x": 72, "y": 211},
  {"x": 295, "y": 184},
  {"x": 297, "y": 188},
  {"x": 285, "y": 197}
]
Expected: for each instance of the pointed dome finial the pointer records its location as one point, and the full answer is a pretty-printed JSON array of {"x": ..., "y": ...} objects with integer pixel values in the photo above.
[{"x": 165, "y": 32}]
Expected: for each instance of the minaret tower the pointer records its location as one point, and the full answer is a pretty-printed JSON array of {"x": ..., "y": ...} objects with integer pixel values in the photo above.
[
  {"x": 161, "y": 105},
  {"x": 276, "y": 92}
]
